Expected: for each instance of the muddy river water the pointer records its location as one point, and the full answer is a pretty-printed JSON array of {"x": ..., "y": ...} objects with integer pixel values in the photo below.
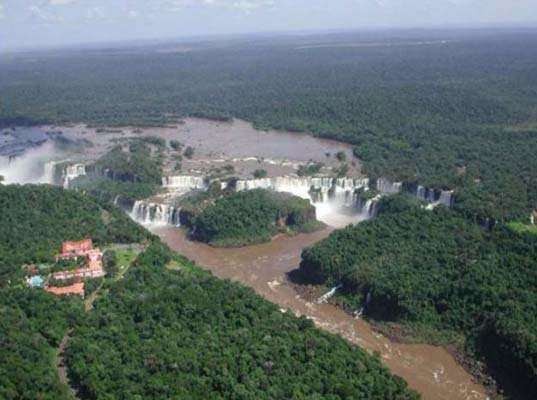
[{"x": 430, "y": 370}]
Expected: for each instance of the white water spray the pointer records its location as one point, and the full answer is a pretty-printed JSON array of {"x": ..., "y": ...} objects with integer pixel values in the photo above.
[
  {"x": 155, "y": 214},
  {"x": 34, "y": 166},
  {"x": 334, "y": 198}
]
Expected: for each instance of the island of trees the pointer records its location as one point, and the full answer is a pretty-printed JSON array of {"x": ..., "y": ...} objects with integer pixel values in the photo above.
[
  {"x": 130, "y": 171},
  {"x": 234, "y": 219}
]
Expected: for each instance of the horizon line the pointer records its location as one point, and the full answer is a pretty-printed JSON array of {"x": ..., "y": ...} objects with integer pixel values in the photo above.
[{"x": 505, "y": 26}]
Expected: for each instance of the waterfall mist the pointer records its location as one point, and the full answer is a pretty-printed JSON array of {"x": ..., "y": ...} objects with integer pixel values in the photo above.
[
  {"x": 335, "y": 199},
  {"x": 338, "y": 201},
  {"x": 32, "y": 167}
]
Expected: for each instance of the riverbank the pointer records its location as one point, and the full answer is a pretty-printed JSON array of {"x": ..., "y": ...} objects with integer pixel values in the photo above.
[{"x": 431, "y": 370}]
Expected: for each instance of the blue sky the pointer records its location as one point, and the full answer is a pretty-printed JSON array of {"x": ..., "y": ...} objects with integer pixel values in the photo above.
[{"x": 40, "y": 23}]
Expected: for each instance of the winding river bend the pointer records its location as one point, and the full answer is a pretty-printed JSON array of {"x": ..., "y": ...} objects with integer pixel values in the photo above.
[{"x": 430, "y": 370}]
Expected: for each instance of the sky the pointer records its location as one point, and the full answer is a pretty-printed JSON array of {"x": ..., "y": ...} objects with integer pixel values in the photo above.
[{"x": 44, "y": 23}]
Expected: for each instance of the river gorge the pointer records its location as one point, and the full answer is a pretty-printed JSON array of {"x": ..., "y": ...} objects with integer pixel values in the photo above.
[
  {"x": 339, "y": 201},
  {"x": 430, "y": 370}
]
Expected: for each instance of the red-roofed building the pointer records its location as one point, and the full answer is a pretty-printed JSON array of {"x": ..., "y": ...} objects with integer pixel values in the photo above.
[
  {"x": 79, "y": 273},
  {"x": 76, "y": 289},
  {"x": 72, "y": 249},
  {"x": 83, "y": 248}
]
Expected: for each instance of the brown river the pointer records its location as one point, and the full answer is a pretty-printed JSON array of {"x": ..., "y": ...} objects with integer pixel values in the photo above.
[{"x": 430, "y": 370}]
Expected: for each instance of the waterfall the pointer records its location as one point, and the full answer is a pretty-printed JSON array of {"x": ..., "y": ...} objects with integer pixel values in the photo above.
[
  {"x": 446, "y": 198},
  {"x": 185, "y": 182},
  {"x": 71, "y": 172},
  {"x": 334, "y": 198},
  {"x": 368, "y": 208},
  {"x": 358, "y": 313},
  {"x": 49, "y": 173},
  {"x": 147, "y": 213},
  {"x": 386, "y": 186},
  {"x": 56, "y": 173},
  {"x": 338, "y": 201},
  {"x": 324, "y": 298},
  {"x": 421, "y": 192},
  {"x": 426, "y": 194},
  {"x": 318, "y": 190},
  {"x": 435, "y": 197}
]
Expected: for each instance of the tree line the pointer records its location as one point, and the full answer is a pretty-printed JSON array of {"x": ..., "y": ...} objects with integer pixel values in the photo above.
[
  {"x": 457, "y": 115},
  {"x": 435, "y": 269},
  {"x": 233, "y": 219}
]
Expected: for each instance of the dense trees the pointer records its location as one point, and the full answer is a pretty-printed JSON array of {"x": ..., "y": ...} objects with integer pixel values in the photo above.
[
  {"x": 309, "y": 169},
  {"x": 164, "y": 334},
  {"x": 36, "y": 219},
  {"x": 176, "y": 145},
  {"x": 436, "y": 269},
  {"x": 130, "y": 171},
  {"x": 253, "y": 216},
  {"x": 33, "y": 223},
  {"x": 446, "y": 109},
  {"x": 32, "y": 324},
  {"x": 260, "y": 173},
  {"x": 457, "y": 115},
  {"x": 156, "y": 333},
  {"x": 136, "y": 162},
  {"x": 189, "y": 152}
]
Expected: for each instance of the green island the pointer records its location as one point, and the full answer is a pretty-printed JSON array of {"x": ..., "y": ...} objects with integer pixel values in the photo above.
[
  {"x": 175, "y": 330},
  {"x": 131, "y": 170},
  {"x": 440, "y": 277},
  {"x": 242, "y": 218}
]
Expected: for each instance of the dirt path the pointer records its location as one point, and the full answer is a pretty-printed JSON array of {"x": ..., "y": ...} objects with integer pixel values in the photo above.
[
  {"x": 61, "y": 366},
  {"x": 88, "y": 302}
]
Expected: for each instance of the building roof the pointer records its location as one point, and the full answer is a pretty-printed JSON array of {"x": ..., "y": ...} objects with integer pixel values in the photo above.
[
  {"x": 75, "y": 288},
  {"x": 77, "y": 247}
]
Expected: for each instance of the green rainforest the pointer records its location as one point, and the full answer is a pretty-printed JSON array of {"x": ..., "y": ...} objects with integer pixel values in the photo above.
[{"x": 446, "y": 109}]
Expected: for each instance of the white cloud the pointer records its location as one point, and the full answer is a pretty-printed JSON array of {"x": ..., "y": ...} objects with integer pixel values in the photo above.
[
  {"x": 71, "y": 21},
  {"x": 242, "y": 5},
  {"x": 95, "y": 13},
  {"x": 61, "y": 2},
  {"x": 250, "y": 5},
  {"x": 43, "y": 15}
]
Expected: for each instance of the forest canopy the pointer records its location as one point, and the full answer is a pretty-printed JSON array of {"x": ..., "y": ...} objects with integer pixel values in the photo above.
[
  {"x": 435, "y": 269},
  {"x": 252, "y": 216},
  {"x": 154, "y": 333},
  {"x": 36, "y": 219},
  {"x": 456, "y": 111},
  {"x": 33, "y": 223},
  {"x": 164, "y": 334}
]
